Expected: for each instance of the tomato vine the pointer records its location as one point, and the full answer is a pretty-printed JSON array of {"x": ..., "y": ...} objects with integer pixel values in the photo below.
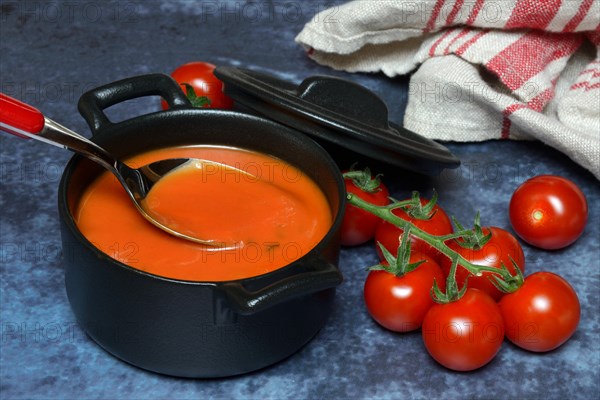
[{"x": 437, "y": 242}]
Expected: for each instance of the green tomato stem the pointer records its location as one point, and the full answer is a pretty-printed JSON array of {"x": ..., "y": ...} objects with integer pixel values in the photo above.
[{"x": 437, "y": 242}]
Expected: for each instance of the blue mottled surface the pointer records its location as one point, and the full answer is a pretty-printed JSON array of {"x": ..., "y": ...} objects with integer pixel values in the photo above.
[{"x": 51, "y": 52}]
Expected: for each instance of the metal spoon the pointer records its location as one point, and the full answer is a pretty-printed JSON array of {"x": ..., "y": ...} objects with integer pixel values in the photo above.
[{"x": 25, "y": 121}]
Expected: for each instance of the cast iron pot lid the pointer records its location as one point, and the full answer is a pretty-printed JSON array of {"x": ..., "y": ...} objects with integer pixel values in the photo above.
[{"x": 338, "y": 111}]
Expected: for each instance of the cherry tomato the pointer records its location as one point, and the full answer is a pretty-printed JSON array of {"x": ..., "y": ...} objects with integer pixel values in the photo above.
[
  {"x": 399, "y": 303},
  {"x": 359, "y": 225},
  {"x": 542, "y": 314},
  {"x": 498, "y": 250},
  {"x": 465, "y": 334},
  {"x": 201, "y": 78},
  {"x": 548, "y": 211},
  {"x": 389, "y": 235}
]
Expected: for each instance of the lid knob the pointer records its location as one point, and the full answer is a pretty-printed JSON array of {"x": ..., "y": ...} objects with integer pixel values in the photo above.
[{"x": 346, "y": 98}]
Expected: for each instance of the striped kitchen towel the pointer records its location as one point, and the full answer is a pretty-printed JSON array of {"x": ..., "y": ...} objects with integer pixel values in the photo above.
[{"x": 485, "y": 69}]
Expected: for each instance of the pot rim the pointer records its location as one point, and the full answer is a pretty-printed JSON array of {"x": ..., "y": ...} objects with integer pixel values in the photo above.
[{"x": 66, "y": 215}]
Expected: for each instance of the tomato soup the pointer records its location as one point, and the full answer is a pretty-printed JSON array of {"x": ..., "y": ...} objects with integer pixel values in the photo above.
[{"x": 266, "y": 211}]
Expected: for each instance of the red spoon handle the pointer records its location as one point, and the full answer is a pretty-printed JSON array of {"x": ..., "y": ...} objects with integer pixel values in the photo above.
[{"x": 19, "y": 118}]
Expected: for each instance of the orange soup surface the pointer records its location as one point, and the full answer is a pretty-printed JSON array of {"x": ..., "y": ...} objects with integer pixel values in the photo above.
[{"x": 267, "y": 212}]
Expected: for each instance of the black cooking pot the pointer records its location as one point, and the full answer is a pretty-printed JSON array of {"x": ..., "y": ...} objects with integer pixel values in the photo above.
[{"x": 184, "y": 328}]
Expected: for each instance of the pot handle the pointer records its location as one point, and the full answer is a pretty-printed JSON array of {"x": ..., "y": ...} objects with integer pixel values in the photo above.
[
  {"x": 246, "y": 302},
  {"x": 92, "y": 103}
]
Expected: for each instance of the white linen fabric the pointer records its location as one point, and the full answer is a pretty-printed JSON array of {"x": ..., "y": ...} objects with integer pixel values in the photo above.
[{"x": 481, "y": 69}]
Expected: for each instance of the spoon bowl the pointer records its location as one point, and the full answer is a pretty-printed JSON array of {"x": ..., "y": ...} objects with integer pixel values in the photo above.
[{"x": 25, "y": 121}]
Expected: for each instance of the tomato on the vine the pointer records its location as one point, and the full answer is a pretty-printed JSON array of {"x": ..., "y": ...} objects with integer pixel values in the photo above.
[
  {"x": 359, "y": 225},
  {"x": 501, "y": 248},
  {"x": 548, "y": 211},
  {"x": 542, "y": 314},
  {"x": 200, "y": 78},
  {"x": 464, "y": 334},
  {"x": 399, "y": 303},
  {"x": 389, "y": 235}
]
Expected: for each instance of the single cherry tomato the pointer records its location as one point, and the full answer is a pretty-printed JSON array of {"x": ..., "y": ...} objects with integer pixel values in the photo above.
[
  {"x": 549, "y": 212},
  {"x": 542, "y": 314},
  {"x": 359, "y": 225},
  {"x": 465, "y": 334},
  {"x": 399, "y": 303},
  {"x": 389, "y": 235},
  {"x": 199, "y": 75},
  {"x": 500, "y": 249}
]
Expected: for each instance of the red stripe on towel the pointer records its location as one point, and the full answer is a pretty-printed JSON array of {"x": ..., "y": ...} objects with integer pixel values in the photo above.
[
  {"x": 530, "y": 54},
  {"x": 440, "y": 40},
  {"x": 455, "y": 9},
  {"x": 460, "y": 51},
  {"x": 577, "y": 18},
  {"x": 533, "y": 14},
  {"x": 539, "y": 102},
  {"x": 506, "y": 122},
  {"x": 475, "y": 11},
  {"x": 462, "y": 34},
  {"x": 536, "y": 104},
  {"x": 585, "y": 85},
  {"x": 434, "y": 15}
]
